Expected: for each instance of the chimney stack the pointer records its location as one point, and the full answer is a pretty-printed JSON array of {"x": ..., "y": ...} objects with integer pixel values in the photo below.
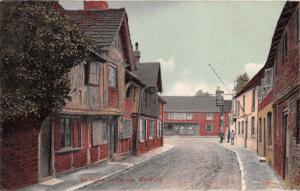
[
  {"x": 136, "y": 54},
  {"x": 95, "y": 5}
]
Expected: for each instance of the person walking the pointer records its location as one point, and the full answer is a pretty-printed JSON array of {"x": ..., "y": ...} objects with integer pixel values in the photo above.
[
  {"x": 232, "y": 136},
  {"x": 228, "y": 135},
  {"x": 221, "y": 135}
]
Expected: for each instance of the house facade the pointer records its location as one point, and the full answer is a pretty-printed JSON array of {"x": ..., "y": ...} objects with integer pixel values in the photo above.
[
  {"x": 194, "y": 115},
  {"x": 149, "y": 121},
  {"x": 245, "y": 116},
  {"x": 286, "y": 92}
]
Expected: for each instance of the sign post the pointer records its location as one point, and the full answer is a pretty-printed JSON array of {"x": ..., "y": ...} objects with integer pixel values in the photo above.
[{"x": 220, "y": 103}]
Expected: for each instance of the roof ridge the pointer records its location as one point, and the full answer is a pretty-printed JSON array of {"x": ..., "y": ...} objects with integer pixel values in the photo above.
[{"x": 95, "y": 10}]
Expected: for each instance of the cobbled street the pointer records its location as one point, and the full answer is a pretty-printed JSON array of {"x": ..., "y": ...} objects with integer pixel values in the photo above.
[{"x": 193, "y": 163}]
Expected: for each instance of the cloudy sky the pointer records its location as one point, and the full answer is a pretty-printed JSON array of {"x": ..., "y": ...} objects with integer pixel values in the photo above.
[{"x": 186, "y": 36}]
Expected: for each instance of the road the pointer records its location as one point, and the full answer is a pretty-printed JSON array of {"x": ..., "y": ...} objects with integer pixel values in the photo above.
[{"x": 193, "y": 163}]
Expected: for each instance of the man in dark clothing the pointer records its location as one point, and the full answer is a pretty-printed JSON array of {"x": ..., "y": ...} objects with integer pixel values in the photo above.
[
  {"x": 221, "y": 136},
  {"x": 228, "y": 135}
]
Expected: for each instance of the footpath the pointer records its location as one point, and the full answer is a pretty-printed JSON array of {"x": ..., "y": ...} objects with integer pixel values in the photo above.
[
  {"x": 255, "y": 175},
  {"x": 97, "y": 173}
]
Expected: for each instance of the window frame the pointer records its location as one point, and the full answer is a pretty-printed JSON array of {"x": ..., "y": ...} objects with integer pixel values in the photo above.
[
  {"x": 152, "y": 129},
  {"x": 63, "y": 135},
  {"x": 115, "y": 69},
  {"x": 209, "y": 116},
  {"x": 285, "y": 46},
  {"x": 79, "y": 130},
  {"x": 143, "y": 130},
  {"x": 211, "y": 127}
]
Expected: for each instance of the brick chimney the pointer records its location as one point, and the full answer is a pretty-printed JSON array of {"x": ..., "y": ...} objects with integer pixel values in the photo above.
[
  {"x": 136, "y": 54},
  {"x": 95, "y": 5}
]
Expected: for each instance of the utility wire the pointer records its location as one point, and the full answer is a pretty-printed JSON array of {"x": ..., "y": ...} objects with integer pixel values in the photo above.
[{"x": 220, "y": 79}]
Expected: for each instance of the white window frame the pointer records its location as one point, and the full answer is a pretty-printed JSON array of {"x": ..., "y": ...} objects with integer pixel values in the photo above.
[
  {"x": 268, "y": 82},
  {"x": 152, "y": 131},
  {"x": 143, "y": 136},
  {"x": 209, "y": 116},
  {"x": 112, "y": 80}
]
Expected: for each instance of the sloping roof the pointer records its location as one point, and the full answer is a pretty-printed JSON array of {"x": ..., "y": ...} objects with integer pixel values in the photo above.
[
  {"x": 194, "y": 104},
  {"x": 282, "y": 22},
  {"x": 149, "y": 74},
  {"x": 100, "y": 26}
]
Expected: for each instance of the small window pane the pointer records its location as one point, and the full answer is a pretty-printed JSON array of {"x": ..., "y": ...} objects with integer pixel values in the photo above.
[
  {"x": 112, "y": 77},
  {"x": 209, "y": 116}
]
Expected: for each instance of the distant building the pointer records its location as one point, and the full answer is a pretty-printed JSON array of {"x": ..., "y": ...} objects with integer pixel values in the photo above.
[{"x": 194, "y": 115}]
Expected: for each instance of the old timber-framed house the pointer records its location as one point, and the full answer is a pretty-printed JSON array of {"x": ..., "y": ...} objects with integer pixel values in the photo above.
[{"x": 91, "y": 128}]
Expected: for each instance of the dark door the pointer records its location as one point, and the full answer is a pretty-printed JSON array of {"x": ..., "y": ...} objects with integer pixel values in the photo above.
[
  {"x": 113, "y": 131},
  {"x": 45, "y": 149},
  {"x": 246, "y": 132},
  {"x": 116, "y": 138},
  {"x": 264, "y": 142},
  {"x": 285, "y": 154}
]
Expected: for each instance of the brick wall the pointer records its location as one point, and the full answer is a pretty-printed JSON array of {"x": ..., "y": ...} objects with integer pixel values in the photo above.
[
  {"x": 287, "y": 79},
  {"x": 19, "y": 156}
]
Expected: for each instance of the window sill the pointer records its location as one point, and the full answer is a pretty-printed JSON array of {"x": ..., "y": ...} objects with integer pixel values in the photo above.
[
  {"x": 68, "y": 149},
  {"x": 150, "y": 138}
]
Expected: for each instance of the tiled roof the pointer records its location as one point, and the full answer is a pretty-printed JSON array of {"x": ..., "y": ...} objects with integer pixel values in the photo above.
[
  {"x": 149, "y": 74},
  {"x": 100, "y": 26},
  {"x": 194, "y": 104}
]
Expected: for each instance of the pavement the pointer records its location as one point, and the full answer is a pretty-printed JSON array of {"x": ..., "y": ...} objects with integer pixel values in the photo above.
[
  {"x": 97, "y": 173},
  {"x": 255, "y": 175}
]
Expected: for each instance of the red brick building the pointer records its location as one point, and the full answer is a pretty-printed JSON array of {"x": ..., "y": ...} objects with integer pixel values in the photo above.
[
  {"x": 286, "y": 90},
  {"x": 194, "y": 115}
]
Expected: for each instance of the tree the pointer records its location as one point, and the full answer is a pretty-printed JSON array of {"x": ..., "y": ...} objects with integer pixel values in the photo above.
[
  {"x": 241, "y": 81},
  {"x": 38, "y": 48},
  {"x": 201, "y": 93}
]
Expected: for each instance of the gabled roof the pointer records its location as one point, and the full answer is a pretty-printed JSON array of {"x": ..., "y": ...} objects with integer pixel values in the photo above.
[
  {"x": 150, "y": 74},
  {"x": 102, "y": 27},
  {"x": 282, "y": 22},
  {"x": 194, "y": 104}
]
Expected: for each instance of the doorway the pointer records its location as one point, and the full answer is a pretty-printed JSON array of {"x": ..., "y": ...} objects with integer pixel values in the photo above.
[
  {"x": 45, "y": 169},
  {"x": 284, "y": 136},
  {"x": 113, "y": 136}
]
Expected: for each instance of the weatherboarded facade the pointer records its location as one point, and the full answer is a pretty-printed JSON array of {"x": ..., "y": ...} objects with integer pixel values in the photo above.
[
  {"x": 194, "y": 115},
  {"x": 149, "y": 121}
]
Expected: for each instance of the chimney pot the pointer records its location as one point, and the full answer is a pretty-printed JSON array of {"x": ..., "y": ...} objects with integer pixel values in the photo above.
[
  {"x": 137, "y": 53},
  {"x": 95, "y": 5}
]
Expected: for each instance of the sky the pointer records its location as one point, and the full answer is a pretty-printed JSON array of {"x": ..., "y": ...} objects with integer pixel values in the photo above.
[{"x": 186, "y": 36}]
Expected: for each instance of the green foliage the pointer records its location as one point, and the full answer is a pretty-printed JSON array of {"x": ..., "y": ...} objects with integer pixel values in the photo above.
[
  {"x": 38, "y": 47},
  {"x": 201, "y": 93},
  {"x": 241, "y": 81}
]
